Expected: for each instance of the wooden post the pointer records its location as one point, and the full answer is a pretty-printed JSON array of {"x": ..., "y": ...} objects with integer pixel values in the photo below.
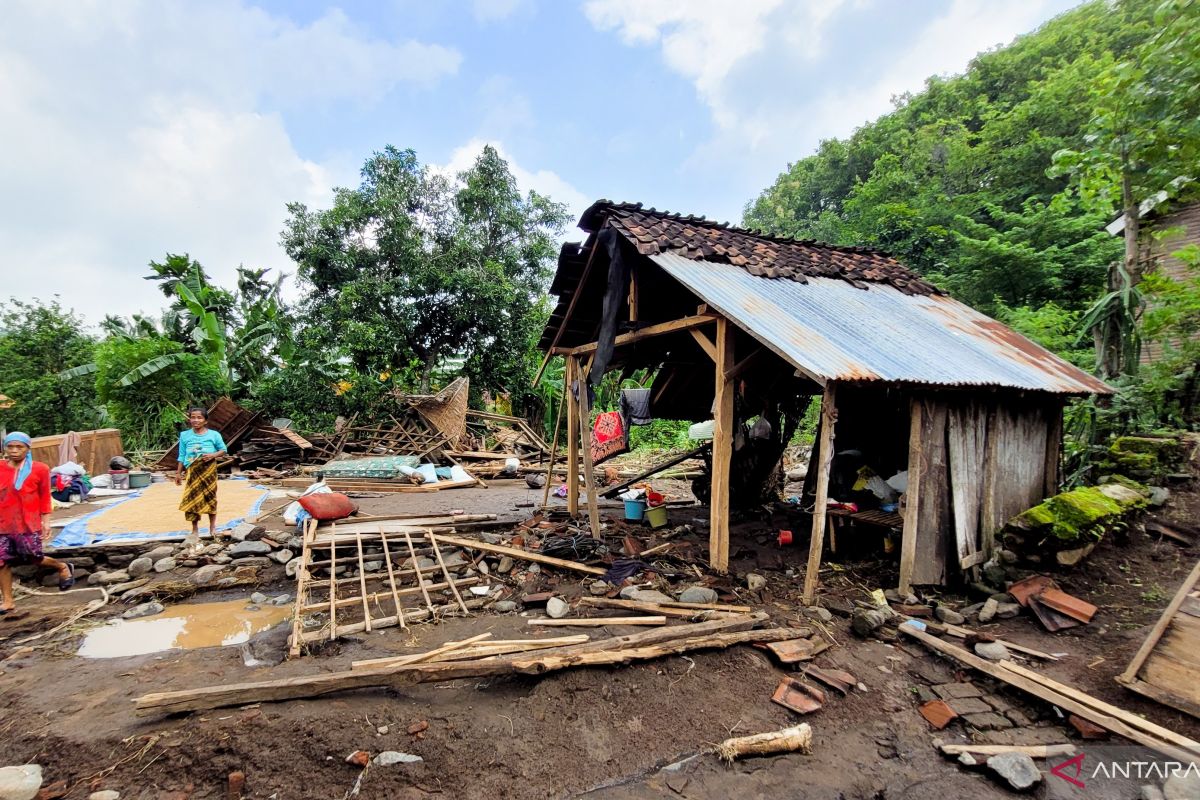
[
  {"x": 722, "y": 452},
  {"x": 572, "y": 438},
  {"x": 817, "y": 543},
  {"x": 585, "y": 441},
  {"x": 554, "y": 445},
  {"x": 912, "y": 498}
]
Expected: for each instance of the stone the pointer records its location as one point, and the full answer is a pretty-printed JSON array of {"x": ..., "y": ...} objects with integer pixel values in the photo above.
[
  {"x": 818, "y": 613},
  {"x": 235, "y": 783},
  {"x": 144, "y": 610},
  {"x": 599, "y": 588},
  {"x": 248, "y": 548},
  {"x": 120, "y": 559},
  {"x": 164, "y": 564},
  {"x": 1159, "y": 496},
  {"x": 698, "y": 594},
  {"x": 950, "y": 691},
  {"x": 1071, "y": 558},
  {"x": 246, "y": 532},
  {"x": 258, "y": 598},
  {"x": 967, "y": 760},
  {"x": 291, "y": 567},
  {"x": 1007, "y": 557},
  {"x": 1016, "y": 769},
  {"x": 505, "y": 566},
  {"x": 969, "y": 705},
  {"x": 490, "y": 538},
  {"x": 971, "y": 610},
  {"x": 295, "y": 544},
  {"x": 987, "y": 721},
  {"x": 389, "y": 758},
  {"x": 992, "y": 651},
  {"x": 191, "y": 563},
  {"x": 1017, "y": 717},
  {"x": 1182, "y": 785},
  {"x": 1007, "y": 610},
  {"x": 87, "y": 562},
  {"x": 504, "y": 606},
  {"x": 222, "y": 559},
  {"x": 160, "y": 552},
  {"x": 557, "y": 608},
  {"x": 139, "y": 567},
  {"x": 1151, "y": 792},
  {"x": 866, "y": 621},
  {"x": 988, "y": 612},
  {"x": 280, "y": 600},
  {"x": 105, "y": 794},
  {"x": 110, "y": 578},
  {"x": 949, "y": 615},
  {"x": 262, "y": 561},
  {"x": 285, "y": 555},
  {"x": 206, "y": 574},
  {"x": 650, "y": 596},
  {"x": 21, "y": 782},
  {"x": 368, "y": 566},
  {"x": 626, "y": 592},
  {"x": 755, "y": 582},
  {"x": 993, "y": 573}
]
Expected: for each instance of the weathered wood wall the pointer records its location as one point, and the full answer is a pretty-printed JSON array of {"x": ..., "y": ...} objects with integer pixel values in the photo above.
[
  {"x": 96, "y": 449},
  {"x": 975, "y": 461}
]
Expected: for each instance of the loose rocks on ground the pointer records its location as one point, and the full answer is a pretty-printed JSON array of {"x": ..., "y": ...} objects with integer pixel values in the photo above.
[{"x": 1016, "y": 769}]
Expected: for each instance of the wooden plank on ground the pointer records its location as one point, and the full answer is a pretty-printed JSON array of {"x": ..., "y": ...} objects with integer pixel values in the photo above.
[{"x": 516, "y": 552}]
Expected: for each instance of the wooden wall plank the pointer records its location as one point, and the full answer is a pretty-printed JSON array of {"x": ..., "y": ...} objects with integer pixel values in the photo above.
[{"x": 817, "y": 542}]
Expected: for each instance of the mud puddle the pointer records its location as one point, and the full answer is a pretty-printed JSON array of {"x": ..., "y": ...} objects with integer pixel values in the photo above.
[{"x": 185, "y": 626}]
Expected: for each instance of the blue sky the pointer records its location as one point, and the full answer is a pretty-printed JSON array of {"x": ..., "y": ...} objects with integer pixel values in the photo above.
[{"x": 136, "y": 127}]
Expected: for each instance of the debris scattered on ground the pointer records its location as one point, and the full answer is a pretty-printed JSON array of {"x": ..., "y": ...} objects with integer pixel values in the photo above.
[{"x": 796, "y": 739}]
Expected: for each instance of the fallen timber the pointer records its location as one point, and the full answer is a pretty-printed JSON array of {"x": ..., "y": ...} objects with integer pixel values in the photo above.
[{"x": 656, "y": 643}]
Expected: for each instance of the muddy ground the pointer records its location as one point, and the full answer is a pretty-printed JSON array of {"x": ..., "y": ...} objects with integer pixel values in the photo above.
[{"x": 614, "y": 733}]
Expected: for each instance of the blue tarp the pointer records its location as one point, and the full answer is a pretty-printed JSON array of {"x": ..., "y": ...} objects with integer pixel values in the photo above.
[{"x": 76, "y": 533}]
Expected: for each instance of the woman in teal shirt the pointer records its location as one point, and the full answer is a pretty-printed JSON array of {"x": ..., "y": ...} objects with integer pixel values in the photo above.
[{"x": 199, "y": 449}]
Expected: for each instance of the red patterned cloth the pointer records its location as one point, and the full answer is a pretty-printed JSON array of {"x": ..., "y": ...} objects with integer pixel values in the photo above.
[{"x": 608, "y": 436}]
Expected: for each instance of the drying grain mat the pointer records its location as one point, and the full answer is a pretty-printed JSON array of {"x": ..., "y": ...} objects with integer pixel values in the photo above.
[{"x": 153, "y": 513}]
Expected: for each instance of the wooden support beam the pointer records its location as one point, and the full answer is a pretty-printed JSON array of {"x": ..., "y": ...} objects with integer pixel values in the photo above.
[
  {"x": 585, "y": 445},
  {"x": 597, "y": 622},
  {"x": 722, "y": 452},
  {"x": 912, "y": 498},
  {"x": 572, "y": 438},
  {"x": 706, "y": 344},
  {"x": 647, "y": 332},
  {"x": 741, "y": 366},
  {"x": 633, "y": 293},
  {"x": 817, "y": 542}
]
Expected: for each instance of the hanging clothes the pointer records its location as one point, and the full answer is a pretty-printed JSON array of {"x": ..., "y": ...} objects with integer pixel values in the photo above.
[
  {"x": 635, "y": 406},
  {"x": 609, "y": 437}
]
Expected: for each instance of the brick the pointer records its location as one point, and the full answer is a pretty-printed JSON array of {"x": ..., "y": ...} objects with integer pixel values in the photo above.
[
  {"x": 1086, "y": 728},
  {"x": 987, "y": 721},
  {"x": 949, "y": 691},
  {"x": 998, "y": 703},
  {"x": 1064, "y": 603},
  {"x": 969, "y": 705},
  {"x": 938, "y": 714},
  {"x": 1018, "y": 717}
]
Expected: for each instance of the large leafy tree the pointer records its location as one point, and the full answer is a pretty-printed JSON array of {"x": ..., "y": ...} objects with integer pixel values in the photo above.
[
  {"x": 412, "y": 271},
  {"x": 37, "y": 341}
]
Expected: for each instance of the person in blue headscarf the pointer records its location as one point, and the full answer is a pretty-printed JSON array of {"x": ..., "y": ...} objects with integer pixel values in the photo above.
[{"x": 24, "y": 517}]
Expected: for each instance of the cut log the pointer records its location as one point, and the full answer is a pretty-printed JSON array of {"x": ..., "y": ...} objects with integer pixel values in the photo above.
[
  {"x": 796, "y": 739},
  {"x": 698, "y": 635},
  {"x": 597, "y": 622}
]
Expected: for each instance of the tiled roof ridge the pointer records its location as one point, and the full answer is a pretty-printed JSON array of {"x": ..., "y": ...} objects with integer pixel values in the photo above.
[{"x": 763, "y": 255}]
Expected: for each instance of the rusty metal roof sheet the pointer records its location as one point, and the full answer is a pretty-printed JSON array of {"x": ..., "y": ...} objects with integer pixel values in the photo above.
[{"x": 830, "y": 329}]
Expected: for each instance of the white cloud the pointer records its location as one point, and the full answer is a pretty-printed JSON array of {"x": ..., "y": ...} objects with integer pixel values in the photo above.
[
  {"x": 543, "y": 181},
  {"x": 135, "y": 128},
  {"x": 775, "y": 80}
]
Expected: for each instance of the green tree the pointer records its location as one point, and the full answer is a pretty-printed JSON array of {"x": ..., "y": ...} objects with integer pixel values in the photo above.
[
  {"x": 38, "y": 341},
  {"x": 411, "y": 269}
]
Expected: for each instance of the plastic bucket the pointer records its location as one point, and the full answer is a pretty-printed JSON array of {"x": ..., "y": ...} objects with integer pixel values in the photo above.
[
  {"x": 635, "y": 510},
  {"x": 657, "y": 516},
  {"x": 139, "y": 480},
  {"x": 120, "y": 478}
]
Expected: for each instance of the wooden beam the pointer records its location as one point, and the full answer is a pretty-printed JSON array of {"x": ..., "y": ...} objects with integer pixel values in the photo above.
[
  {"x": 657, "y": 468},
  {"x": 597, "y": 622},
  {"x": 649, "y": 331},
  {"x": 912, "y": 498},
  {"x": 585, "y": 446},
  {"x": 1160, "y": 627},
  {"x": 562, "y": 326},
  {"x": 659, "y": 609},
  {"x": 558, "y": 417},
  {"x": 572, "y": 438},
  {"x": 722, "y": 451},
  {"x": 817, "y": 542},
  {"x": 741, "y": 366},
  {"x": 706, "y": 344},
  {"x": 633, "y": 293},
  {"x": 1109, "y": 717}
]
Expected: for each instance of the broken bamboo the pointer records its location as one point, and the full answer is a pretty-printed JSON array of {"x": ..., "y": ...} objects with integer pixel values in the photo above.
[
  {"x": 516, "y": 552},
  {"x": 796, "y": 739}
]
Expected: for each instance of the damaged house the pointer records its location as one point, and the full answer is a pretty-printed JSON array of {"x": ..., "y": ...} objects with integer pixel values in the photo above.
[{"x": 744, "y": 329}]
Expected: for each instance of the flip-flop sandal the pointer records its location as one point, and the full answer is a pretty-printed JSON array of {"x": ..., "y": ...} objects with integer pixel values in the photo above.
[
  {"x": 12, "y": 615},
  {"x": 69, "y": 581}
]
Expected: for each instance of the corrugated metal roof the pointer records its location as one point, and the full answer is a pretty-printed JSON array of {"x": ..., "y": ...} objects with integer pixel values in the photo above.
[{"x": 831, "y": 330}]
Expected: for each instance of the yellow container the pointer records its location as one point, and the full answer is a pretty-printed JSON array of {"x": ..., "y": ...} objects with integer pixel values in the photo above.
[{"x": 656, "y": 516}]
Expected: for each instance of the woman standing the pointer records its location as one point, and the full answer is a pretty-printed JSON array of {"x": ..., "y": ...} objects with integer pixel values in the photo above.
[
  {"x": 199, "y": 449},
  {"x": 24, "y": 516}
]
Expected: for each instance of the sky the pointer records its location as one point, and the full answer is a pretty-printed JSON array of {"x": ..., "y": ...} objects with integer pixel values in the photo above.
[{"x": 134, "y": 128}]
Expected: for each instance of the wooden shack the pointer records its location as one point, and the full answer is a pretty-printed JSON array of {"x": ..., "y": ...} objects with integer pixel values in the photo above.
[
  {"x": 738, "y": 325},
  {"x": 96, "y": 449}
]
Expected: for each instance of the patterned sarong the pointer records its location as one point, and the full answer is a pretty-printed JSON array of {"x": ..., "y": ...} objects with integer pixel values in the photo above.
[
  {"x": 608, "y": 436},
  {"x": 200, "y": 491}
]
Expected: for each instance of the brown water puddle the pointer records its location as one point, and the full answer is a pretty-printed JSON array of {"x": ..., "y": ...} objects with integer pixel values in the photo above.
[{"x": 185, "y": 626}]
